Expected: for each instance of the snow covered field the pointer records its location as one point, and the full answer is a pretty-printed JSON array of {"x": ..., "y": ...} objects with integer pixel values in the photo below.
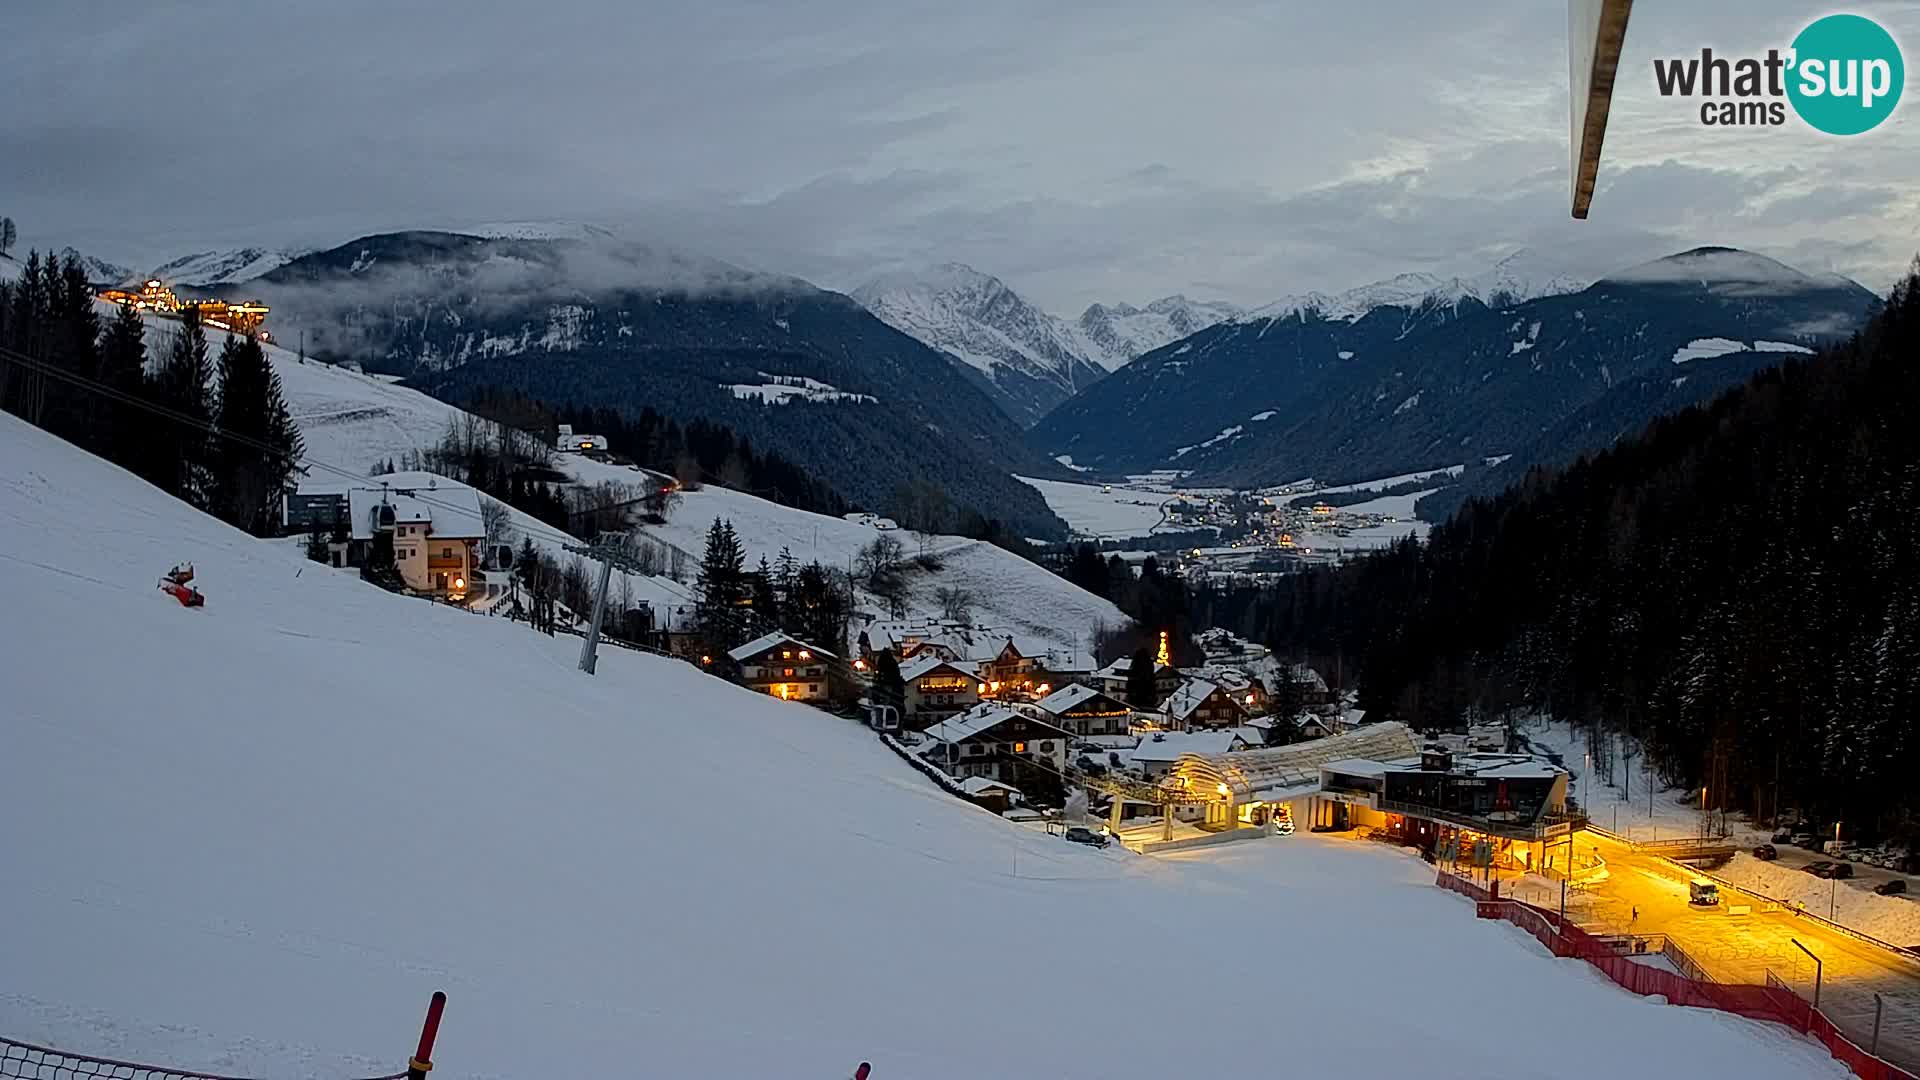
[
  {"x": 1098, "y": 510},
  {"x": 253, "y": 837}
]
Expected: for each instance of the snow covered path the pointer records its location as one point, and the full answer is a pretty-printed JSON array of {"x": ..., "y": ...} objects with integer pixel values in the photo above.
[{"x": 253, "y": 838}]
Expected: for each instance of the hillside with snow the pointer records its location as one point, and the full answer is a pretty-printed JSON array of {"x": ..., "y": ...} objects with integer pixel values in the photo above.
[
  {"x": 352, "y": 422},
  {"x": 280, "y": 821},
  {"x": 206, "y": 268},
  {"x": 1040, "y": 610}
]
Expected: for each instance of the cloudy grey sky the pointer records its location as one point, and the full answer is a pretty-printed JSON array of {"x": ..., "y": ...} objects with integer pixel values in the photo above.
[{"x": 1120, "y": 150}]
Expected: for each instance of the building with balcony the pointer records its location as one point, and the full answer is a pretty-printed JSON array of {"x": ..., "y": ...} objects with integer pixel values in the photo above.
[
  {"x": 995, "y": 742},
  {"x": 936, "y": 688},
  {"x": 785, "y": 667},
  {"x": 1085, "y": 711}
]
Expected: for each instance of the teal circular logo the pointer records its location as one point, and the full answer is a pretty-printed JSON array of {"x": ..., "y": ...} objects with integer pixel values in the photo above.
[{"x": 1847, "y": 75}]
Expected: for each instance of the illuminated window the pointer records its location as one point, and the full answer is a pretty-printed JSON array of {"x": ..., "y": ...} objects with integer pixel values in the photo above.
[
  {"x": 788, "y": 673},
  {"x": 1019, "y": 748},
  {"x": 786, "y": 654},
  {"x": 805, "y": 655}
]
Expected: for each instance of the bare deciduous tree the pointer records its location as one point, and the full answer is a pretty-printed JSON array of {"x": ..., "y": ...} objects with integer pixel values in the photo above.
[{"x": 956, "y": 604}]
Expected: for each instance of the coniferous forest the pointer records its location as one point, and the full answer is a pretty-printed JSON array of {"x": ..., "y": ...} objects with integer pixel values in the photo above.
[
  {"x": 1737, "y": 589},
  {"x": 212, "y": 429}
]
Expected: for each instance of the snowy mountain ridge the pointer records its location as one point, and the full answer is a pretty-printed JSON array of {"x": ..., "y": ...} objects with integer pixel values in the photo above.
[
  {"x": 1514, "y": 279},
  {"x": 1116, "y": 333},
  {"x": 226, "y": 267},
  {"x": 1030, "y": 360}
]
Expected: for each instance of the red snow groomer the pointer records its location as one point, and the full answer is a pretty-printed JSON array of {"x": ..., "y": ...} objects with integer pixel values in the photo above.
[{"x": 175, "y": 584}]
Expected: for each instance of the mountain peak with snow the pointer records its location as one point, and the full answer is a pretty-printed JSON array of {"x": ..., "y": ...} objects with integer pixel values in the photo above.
[
  {"x": 1116, "y": 333},
  {"x": 1517, "y": 277},
  {"x": 220, "y": 267},
  {"x": 1029, "y": 360},
  {"x": 1725, "y": 270}
]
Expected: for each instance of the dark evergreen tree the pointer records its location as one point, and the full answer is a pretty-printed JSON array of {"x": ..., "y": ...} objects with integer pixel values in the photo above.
[
  {"x": 721, "y": 587},
  {"x": 250, "y": 411},
  {"x": 888, "y": 687},
  {"x": 764, "y": 594},
  {"x": 181, "y": 447},
  {"x": 123, "y": 366},
  {"x": 1141, "y": 692}
]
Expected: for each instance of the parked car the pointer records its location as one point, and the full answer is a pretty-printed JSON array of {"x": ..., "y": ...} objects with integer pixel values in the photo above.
[
  {"x": 1766, "y": 853},
  {"x": 1783, "y": 837},
  {"x": 1819, "y": 869},
  {"x": 1842, "y": 870},
  {"x": 1894, "y": 887},
  {"x": 1080, "y": 834},
  {"x": 1806, "y": 840},
  {"x": 1703, "y": 893}
]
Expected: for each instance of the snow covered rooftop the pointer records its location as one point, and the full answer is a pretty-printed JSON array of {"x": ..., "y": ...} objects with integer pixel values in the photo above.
[
  {"x": 1188, "y": 698},
  {"x": 1286, "y": 771},
  {"x": 926, "y": 662},
  {"x": 1068, "y": 697},
  {"x": 980, "y": 718},
  {"x": 980, "y": 785},
  {"x": 449, "y": 509},
  {"x": 1356, "y": 766},
  {"x": 764, "y": 642},
  {"x": 1173, "y": 745}
]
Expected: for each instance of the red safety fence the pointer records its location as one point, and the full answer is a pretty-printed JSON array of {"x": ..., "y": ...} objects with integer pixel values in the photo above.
[
  {"x": 1464, "y": 887},
  {"x": 26, "y": 1061},
  {"x": 1775, "y": 1002}
]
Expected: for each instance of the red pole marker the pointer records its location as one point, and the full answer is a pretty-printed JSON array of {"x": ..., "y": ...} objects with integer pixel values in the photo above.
[
  {"x": 862, "y": 1072},
  {"x": 422, "y": 1063}
]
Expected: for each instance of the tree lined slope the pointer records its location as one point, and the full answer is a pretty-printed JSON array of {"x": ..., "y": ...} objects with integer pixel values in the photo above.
[{"x": 1739, "y": 586}]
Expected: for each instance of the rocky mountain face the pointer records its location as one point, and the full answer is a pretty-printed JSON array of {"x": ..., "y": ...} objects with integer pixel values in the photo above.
[
  {"x": 1029, "y": 360},
  {"x": 594, "y": 320}
]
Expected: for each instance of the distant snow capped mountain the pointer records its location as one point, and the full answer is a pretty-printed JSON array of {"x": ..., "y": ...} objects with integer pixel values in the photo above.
[
  {"x": 1028, "y": 360},
  {"x": 1515, "y": 279},
  {"x": 220, "y": 267},
  {"x": 541, "y": 230},
  {"x": 1726, "y": 271},
  {"x": 1418, "y": 372},
  {"x": 1117, "y": 333},
  {"x": 98, "y": 271}
]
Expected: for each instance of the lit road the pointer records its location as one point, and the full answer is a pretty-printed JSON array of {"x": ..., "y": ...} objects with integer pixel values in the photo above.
[{"x": 1743, "y": 948}]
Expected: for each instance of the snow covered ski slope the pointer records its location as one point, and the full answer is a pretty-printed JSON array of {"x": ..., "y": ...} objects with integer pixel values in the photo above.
[{"x": 251, "y": 838}]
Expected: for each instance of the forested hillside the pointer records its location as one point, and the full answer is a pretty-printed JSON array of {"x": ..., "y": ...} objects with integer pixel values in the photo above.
[{"x": 1738, "y": 587}]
